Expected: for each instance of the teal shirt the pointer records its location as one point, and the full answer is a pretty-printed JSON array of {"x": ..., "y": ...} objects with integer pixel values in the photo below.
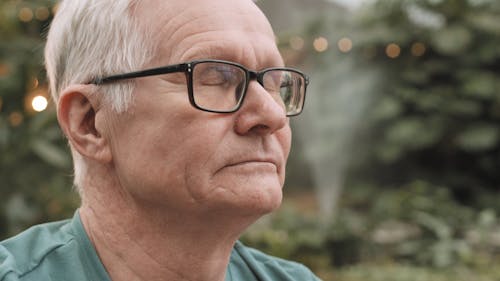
[{"x": 62, "y": 251}]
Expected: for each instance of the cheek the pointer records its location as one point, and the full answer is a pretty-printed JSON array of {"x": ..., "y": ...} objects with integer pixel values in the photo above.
[
  {"x": 154, "y": 172},
  {"x": 170, "y": 162},
  {"x": 284, "y": 137},
  {"x": 203, "y": 157}
]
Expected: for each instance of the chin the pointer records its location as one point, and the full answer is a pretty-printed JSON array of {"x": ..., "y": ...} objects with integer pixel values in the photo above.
[
  {"x": 261, "y": 199},
  {"x": 245, "y": 193}
]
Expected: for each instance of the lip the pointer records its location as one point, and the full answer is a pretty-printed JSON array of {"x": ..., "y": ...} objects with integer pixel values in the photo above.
[
  {"x": 272, "y": 161},
  {"x": 250, "y": 162}
]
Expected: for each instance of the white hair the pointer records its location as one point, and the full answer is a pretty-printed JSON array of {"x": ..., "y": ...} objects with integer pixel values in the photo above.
[{"x": 95, "y": 38}]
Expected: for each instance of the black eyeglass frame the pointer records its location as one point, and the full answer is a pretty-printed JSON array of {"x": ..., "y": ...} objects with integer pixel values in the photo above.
[{"x": 188, "y": 67}]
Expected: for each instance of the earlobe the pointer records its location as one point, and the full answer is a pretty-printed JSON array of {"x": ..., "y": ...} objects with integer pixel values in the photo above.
[{"x": 76, "y": 113}]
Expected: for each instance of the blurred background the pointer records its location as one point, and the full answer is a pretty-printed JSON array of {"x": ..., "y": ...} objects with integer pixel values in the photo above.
[{"x": 394, "y": 171}]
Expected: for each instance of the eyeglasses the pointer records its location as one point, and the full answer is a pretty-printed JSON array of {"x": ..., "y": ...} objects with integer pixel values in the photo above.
[{"x": 221, "y": 86}]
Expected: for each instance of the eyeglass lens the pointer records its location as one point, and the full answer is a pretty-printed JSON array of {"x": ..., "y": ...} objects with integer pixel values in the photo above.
[
  {"x": 219, "y": 86},
  {"x": 287, "y": 87}
]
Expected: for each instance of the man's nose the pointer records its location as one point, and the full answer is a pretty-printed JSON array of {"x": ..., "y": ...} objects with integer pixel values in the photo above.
[{"x": 260, "y": 112}]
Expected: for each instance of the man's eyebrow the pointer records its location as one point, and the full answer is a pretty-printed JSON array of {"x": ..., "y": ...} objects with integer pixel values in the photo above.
[{"x": 208, "y": 52}]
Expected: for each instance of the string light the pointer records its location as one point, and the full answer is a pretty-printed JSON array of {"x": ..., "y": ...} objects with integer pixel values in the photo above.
[
  {"x": 34, "y": 83},
  {"x": 42, "y": 13},
  {"x": 39, "y": 103},
  {"x": 418, "y": 49},
  {"x": 296, "y": 43},
  {"x": 393, "y": 51},
  {"x": 25, "y": 14},
  {"x": 344, "y": 44},
  {"x": 320, "y": 44},
  {"x": 36, "y": 100},
  {"x": 15, "y": 118},
  {"x": 4, "y": 70}
]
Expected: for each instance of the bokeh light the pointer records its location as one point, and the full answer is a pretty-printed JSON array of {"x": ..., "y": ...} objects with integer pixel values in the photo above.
[
  {"x": 33, "y": 83},
  {"x": 36, "y": 100},
  {"x": 25, "y": 14},
  {"x": 15, "y": 118},
  {"x": 4, "y": 70},
  {"x": 320, "y": 44},
  {"x": 393, "y": 50},
  {"x": 345, "y": 44},
  {"x": 42, "y": 13},
  {"x": 418, "y": 49},
  {"x": 296, "y": 43},
  {"x": 39, "y": 103}
]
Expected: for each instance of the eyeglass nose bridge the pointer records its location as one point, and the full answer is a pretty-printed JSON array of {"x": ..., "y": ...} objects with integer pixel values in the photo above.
[
  {"x": 254, "y": 75},
  {"x": 259, "y": 77}
]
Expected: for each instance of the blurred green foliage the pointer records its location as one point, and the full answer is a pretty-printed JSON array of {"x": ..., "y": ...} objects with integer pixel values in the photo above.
[
  {"x": 35, "y": 165},
  {"x": 391, "y": 272},
  {"x": 420, "y": 201},
  {"x": 437, "y": 116},
  {"x": 415, "y": 232},
  {"x": 421, "y": 191}
]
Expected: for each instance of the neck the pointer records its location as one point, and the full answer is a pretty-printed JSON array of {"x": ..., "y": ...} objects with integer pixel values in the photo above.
[{"x": 136, "y": 242}]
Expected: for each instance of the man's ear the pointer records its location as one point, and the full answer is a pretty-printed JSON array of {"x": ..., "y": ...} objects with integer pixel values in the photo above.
[{"x": 76, "y": 113}]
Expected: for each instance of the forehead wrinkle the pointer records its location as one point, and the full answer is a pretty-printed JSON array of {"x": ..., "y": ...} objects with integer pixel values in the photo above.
[
  {"x": 190, "y": 22},
  {"x": 178, "y": 50},
  {"x": 164, "y": 24},
  {"x": 209, "y": 49},
  {"x": 158, "y": 30},
  {"x": 199, "y": 35}
]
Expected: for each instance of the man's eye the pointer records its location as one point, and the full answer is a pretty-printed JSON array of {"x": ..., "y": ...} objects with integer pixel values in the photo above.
[
  {"x": 276, "y": 80},
  {"x": 217, "y": 76}
]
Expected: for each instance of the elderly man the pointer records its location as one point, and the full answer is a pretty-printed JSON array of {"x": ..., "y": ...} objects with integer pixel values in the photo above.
[{"x": 177, "y": 117}]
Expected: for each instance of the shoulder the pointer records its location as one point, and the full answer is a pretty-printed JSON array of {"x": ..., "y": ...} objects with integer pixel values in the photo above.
[
  {"x": 272, "y": 268},
  {"x": 22, "y": 254}
]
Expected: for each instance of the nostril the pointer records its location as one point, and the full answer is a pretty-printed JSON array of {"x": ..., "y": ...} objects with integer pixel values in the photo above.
[{"x": 261, "y": 129}]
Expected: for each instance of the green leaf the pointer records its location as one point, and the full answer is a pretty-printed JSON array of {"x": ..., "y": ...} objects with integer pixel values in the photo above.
[
  {"x": 484, "y": 21},
  {"x": 42, "y": 120},
  {"x": 452, "y": 40},
  {"x": 479, "y": 138},
  {"x": 388, "y": 153},
  {"x": 480, "y": 84},
  {"x": 4, "y": 132},
  {"x": 414, "y": 132},
  {"x": 434, "y": 224},
  {"x": 463, "y": 108},
  {"x": 387, "y": 108},
  {"x": 50, "y": 153}
]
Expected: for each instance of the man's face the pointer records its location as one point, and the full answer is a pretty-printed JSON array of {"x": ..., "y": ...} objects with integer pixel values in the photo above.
[{"x": 167, "y": 153}]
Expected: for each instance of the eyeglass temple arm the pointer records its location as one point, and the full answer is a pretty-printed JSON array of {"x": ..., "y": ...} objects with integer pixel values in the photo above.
[{"x": 148, "y": 72}]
